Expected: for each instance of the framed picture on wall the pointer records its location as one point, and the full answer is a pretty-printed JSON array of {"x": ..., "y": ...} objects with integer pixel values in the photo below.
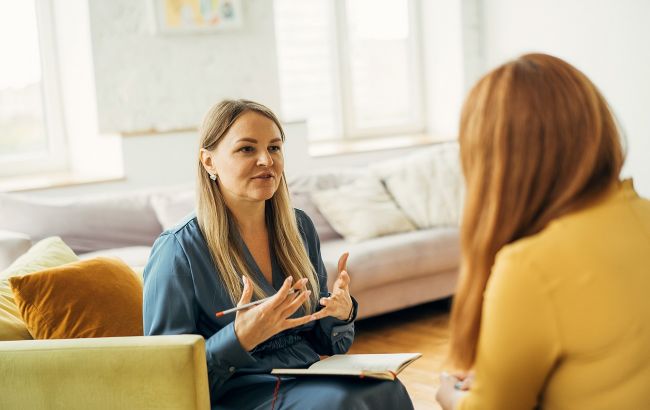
[{"x": 192, "y": 16}]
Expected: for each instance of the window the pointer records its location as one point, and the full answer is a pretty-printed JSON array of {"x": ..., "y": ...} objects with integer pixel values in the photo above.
[
  {"x": 350, "y": 67},
  {"x": 31, "y": 131}
]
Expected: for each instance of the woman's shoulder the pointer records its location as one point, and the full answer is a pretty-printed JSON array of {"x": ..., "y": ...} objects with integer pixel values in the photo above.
[
  {"x": 305, "y": 223},
  {"x": 175, "y": 247},
  {"x": 186, "y": 231},
  {"x": 189, "y": 223}
]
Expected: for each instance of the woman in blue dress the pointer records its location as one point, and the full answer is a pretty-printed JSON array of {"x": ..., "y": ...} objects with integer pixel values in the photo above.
[{"x": 247, "y": 242}]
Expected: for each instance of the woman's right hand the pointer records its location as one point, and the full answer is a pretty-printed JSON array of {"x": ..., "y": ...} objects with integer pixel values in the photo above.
[{"x": 261, "y": 322}]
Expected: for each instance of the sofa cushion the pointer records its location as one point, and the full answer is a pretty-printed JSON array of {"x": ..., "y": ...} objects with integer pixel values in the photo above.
[
  {"x": 389, "y": 259},
  {"x": 45, "y": 254},
  {"x": 134, "y": 256},
  {"x": 427, "y": 185},
  {"x": 85, "y": 224},
  {"x": 99, "y": 297},
  {"x": 362, "y": 210}
]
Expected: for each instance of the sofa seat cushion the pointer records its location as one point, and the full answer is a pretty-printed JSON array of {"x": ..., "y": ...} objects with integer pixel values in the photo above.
[
  {"x": 134, "y": 256},
  {"x": 99, "y": 297},
  {"x": 392, "y": 258}
]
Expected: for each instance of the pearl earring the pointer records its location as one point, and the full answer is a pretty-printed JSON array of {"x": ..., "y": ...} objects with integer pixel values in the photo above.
[{"x": 213, "y": 176}]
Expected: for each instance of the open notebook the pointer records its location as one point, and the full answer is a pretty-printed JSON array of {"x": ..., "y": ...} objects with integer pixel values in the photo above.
[{"x": 378, "y": 366}]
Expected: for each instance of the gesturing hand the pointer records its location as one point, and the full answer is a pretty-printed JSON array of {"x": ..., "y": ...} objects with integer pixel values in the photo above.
[
  {"x": 259, "y": 323},
  {"x": 339, "y": 303}
]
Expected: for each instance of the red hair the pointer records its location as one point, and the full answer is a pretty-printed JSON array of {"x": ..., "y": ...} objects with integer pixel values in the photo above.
[{"x": 537, "y": 140}]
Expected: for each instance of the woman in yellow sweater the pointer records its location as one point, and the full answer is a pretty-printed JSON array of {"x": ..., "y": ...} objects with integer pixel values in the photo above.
[{"x": 553, "y": 304}]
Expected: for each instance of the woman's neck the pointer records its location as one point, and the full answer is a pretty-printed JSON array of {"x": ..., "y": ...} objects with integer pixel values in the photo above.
[{"x": 250, "y": 216}]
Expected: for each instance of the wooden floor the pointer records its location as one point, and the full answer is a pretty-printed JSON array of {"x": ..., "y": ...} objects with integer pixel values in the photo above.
[{"x": 421, "y": 329}]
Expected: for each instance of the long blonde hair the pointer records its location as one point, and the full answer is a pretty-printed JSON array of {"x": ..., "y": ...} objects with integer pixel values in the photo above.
[
  {"x": 219, "y": 227},
  {"x": 537, "y": 141}
]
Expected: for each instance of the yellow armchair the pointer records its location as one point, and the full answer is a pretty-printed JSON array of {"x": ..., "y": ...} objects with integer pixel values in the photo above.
[{"x": 138, "y": 372}]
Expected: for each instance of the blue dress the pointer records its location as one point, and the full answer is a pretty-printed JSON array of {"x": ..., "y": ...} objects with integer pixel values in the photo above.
[{"x": 182, "y": 293}]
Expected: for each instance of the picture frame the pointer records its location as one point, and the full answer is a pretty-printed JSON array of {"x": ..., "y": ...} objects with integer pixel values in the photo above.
[{"x": 196, "y": 16}]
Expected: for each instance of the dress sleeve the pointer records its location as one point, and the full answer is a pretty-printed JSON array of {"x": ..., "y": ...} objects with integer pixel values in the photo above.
[
  {"x": 330, "y": 335},
  {"x": 170, "y": 307},
  {"x": 519, "y": 341}
]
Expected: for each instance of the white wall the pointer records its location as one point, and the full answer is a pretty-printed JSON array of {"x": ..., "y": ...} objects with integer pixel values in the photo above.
[
  {"x": 608, "y": 40},
  {"x": 146, "y": 80},
  {"x": 89, "y": 152},
  {"x": 452, "y": 59}
]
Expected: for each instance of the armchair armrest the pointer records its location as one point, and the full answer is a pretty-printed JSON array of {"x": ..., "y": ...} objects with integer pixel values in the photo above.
[{"x": 136, "y": 372}]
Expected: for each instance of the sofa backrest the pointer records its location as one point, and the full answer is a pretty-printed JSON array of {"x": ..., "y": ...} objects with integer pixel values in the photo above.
[{"x": 86, "y": 224}]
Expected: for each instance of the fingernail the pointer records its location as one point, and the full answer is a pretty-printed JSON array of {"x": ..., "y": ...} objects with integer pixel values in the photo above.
[
  {"x": 308, "y": 292},
  {"x": 289, "y": 279},
  {"x": 304, "y": 280}
]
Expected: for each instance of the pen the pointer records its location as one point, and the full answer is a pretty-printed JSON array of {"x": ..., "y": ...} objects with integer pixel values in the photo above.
[{"x": 247, "y": 305}]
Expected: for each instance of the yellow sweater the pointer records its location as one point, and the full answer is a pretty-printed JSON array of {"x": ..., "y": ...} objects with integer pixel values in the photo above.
[{"x": 566, "y": 316}]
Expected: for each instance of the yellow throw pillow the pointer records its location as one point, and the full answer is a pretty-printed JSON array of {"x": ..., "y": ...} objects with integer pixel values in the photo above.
[
  {"x": 98, "y": 297},
  {"x": 47, "y": 253}
]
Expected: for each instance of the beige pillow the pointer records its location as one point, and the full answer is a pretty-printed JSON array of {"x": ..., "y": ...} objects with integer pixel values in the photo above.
[
  {"x": 303, "y": 201},
  {"x": 362, "y": 210},
  {"x": 427, "y": 184},
  {"x": 49, "y": 252}
]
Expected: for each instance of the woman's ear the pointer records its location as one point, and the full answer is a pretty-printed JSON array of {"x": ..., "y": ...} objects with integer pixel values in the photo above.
[{"x": 207, "y": 159}]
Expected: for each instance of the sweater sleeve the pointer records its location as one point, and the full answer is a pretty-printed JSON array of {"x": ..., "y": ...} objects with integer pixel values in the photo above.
[
  {"x": 519, "y": 342},
  {"x": 170, "y": 307}
]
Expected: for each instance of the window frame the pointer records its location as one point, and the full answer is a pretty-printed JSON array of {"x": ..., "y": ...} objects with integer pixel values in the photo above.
[
  {"x": 53, "y": 156},
  {"x": 350, "y": 131}
]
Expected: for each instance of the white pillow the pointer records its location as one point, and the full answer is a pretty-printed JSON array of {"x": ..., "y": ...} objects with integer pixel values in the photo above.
[
  {"x": 427, "y": 185},
  {"x": 361, "y": 210}
]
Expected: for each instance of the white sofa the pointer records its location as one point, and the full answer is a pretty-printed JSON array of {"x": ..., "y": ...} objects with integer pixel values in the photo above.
[{"x": 388, "y": 273}]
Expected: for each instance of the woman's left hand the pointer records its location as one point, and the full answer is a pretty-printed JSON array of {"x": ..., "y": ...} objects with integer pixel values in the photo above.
[
  {"x": 452, "y": 388},
  {"x": 339, "y": 303}
]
